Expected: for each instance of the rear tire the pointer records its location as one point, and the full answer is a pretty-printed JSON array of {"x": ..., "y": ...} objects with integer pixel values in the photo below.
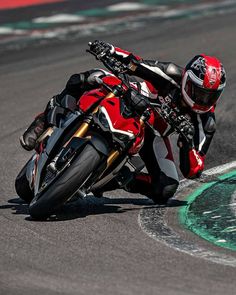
[
  {"x": 22, "y": 186},
  {"x": 66, "y": 185}
]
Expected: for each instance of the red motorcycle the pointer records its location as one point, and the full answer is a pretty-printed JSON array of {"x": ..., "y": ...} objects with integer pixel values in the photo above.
[{"x": 86, "y": 145}]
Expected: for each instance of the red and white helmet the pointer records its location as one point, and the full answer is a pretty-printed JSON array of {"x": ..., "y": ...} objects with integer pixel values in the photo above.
[{"x": 203, "y": 82}]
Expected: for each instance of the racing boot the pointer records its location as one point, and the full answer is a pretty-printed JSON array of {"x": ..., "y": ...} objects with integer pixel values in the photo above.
[{"x": 33, "y": 132}]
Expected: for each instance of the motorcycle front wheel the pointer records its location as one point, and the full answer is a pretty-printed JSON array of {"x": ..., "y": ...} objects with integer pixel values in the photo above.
[
  {"x": 66, "y": 184},
  {"x": 22, "y": 185}
]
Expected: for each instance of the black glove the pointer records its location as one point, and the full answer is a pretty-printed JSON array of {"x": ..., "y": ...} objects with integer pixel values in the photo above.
[
  {"x": 178, "y": 122},
  {"x": 101, "y": 48},
  {"x": 186, "y": 131},
  {"x": 186, "y": 128}
]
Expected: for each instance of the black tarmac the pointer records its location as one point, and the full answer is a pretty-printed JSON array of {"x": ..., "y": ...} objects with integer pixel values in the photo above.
[{"x": 98, "y": 247}]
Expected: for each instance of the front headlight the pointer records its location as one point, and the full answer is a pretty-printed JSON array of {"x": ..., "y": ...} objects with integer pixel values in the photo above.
[{"x": 122, "y": 137}]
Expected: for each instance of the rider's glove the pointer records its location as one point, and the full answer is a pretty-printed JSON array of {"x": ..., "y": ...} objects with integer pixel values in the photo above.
[
  {"x": 186, "y": 131},
  {"x": 101, "y": 48}
]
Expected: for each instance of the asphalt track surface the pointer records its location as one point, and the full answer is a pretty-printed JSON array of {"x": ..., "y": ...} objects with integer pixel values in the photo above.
[{"x": 98, "y": 247}]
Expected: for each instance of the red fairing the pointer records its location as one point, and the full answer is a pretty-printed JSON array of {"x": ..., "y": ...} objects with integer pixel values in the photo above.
[
  {"x": 89, "y": 98},
  {"x": 119, "y": 123},
  {"x": 196, "y": 163},
  {"x": 112, "y": 107},
  {"x": 111, "y": 80}
]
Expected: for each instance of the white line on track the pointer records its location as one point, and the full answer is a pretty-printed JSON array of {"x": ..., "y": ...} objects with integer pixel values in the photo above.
[
  {"x": 60, "y": 18},
  {"x": 158, "y": 11},
  {"x": 127, "y": 6},
  {"x": 6, "y": 31},
  {"x": 233, "y": 203},
  {"x": 167, "y": 236}
]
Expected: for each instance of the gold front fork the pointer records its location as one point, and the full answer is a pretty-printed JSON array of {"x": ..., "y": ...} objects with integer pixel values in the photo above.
[
  {"x": 112, "y": 157},
  {"x": 83, "y": 129}
]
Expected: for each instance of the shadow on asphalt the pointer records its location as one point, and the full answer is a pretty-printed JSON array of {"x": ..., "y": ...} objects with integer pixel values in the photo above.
[
  {"x": 17, "y": 205},
  {"x": 81, "y": 208}
]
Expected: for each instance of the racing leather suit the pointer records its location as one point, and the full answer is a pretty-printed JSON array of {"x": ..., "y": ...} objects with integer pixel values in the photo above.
[{"x": 161, "y": 82}]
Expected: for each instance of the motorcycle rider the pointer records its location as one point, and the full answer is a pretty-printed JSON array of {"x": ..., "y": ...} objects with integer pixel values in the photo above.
[{"x": 193, "y": 90}]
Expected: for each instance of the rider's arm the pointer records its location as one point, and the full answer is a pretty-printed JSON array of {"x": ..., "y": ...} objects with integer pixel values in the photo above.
[
  {"x": 160, "y": 74},
  {"x": 79, "y": 83},
  {"x": 192, "y": 159}
]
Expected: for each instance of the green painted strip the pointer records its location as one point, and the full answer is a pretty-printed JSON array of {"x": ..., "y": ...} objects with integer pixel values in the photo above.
[
  {"x": 96, "y": 12},
  {"x": 28, "y": 25},
  {"x": 208, "y": 213},
  {"x": 105, "y": 12}
]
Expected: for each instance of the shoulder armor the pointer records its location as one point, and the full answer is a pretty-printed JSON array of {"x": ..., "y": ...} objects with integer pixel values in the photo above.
[
  {"x": 174, "y": 71},
  {"x": 152, "y": 63},
  {"x": 170, "y": 69}
]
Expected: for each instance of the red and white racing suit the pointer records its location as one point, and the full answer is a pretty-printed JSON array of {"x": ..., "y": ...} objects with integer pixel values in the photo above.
[{"x": 160, "y": 81}]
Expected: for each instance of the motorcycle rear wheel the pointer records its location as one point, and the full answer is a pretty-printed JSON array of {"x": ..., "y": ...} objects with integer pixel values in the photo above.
[{"x": 66, "y": 185}]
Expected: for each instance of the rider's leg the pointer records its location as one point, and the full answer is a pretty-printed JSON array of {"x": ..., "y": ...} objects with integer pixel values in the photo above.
[
  {"x": 162, "y": 181},
  {"x": 75, "y": 86}
]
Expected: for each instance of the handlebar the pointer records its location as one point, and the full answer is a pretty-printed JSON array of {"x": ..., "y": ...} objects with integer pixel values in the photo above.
[
  {"x": 115, "y": 66},
  {"x": 170, "y": 115},
  {"x": 110, "y": 62}
]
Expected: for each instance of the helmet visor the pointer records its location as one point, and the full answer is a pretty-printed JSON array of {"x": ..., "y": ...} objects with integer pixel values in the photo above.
[{"x": 201, "y": 96}]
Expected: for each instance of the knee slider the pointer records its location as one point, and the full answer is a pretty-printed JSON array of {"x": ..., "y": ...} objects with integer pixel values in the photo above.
[
  {"x": 164, "y": 193},
  {"x": 165, "y": 188},
  {"x": 169, "y": 190}
]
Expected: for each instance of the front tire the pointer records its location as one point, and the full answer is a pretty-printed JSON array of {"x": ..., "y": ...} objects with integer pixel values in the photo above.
[
  {"x": 66, "y": 185},
  {"x": 22, "y": 185}
]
